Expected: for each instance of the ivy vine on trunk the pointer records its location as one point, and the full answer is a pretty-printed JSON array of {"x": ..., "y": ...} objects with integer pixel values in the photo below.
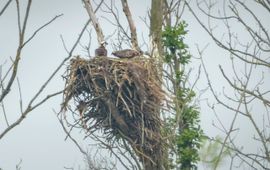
[{"x": 184, "y": 124}]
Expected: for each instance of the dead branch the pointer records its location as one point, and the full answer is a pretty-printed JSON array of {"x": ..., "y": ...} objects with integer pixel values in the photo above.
[
  {"x": 134, "y": 39},
  {"x": 5, "y": 7},
  {"x": 94, "y": 20}
]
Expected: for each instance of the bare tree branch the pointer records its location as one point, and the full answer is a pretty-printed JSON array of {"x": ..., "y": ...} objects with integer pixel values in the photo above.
[
  {"x": 40, "y": 28},
  {"x": 5, "y": 7},
  {"x": 94, "y": 20},
  {"x": 236, "y": 52},
  {"x": 247, "y": 82},
  {"x": 134, "y": 39},
  {"x": 6, "y": 90},
  {"x": 30, "y": 107}
]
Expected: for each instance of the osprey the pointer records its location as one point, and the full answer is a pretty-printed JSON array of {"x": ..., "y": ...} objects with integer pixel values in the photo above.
[
  {"x": 101, "y": 50},
  {"x": 127, "y": 53}
]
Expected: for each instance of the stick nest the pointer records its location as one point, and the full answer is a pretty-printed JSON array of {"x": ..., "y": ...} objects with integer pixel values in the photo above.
[{"x": 120, "y": 97}]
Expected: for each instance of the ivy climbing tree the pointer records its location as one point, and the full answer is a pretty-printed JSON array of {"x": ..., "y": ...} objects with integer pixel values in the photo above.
[{"x": 183, "y": 124}]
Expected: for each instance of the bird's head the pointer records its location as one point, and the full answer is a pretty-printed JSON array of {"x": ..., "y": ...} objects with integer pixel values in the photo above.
[
  {"x": 103, "y": 43},
  {"x": 140, "y": 52}
]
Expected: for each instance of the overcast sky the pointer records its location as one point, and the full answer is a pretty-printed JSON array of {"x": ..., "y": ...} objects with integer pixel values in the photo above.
[{"x": 39, "y": 140}]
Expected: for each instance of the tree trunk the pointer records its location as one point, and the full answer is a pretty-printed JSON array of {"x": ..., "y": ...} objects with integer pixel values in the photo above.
[
  {"x": 156, "y": 52},
  {"x": 156, "y": 27}
]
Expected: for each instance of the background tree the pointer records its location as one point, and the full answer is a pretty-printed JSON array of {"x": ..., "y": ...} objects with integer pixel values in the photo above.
[
  {"x": 244, "y": 37},
  {"x": 8, "y": 74}
]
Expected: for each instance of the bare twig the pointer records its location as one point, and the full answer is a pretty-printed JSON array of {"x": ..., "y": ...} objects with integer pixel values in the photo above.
[
  {"x": 40, "y": 28},
  {"x": 5, "y": 7},
  {"x": 4, "y": 111},
  {"x": 72, "y": 139},
  {"x": 20, "y": 93}
]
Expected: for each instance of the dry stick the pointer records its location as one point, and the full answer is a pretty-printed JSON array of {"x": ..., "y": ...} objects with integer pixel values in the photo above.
[
  {"x": 4, "y": 111},
  {"x": 6, "y": 74},
  {"x": 92, "y": 16},
  {"x": 40, "y": 28},
  {"x": 132, "y": 154},
  {"x": 73, "y": 140},
  {"x": 20, "y": 93},
  {"x": 135, "y": 149},
  {"x": 124, "y": 155},
  {"x": 5, "y": 7},
  {"x": 18, "y": 17},
  {"x": 110, "y": 148},
  {"x": 134, "y": 39}
]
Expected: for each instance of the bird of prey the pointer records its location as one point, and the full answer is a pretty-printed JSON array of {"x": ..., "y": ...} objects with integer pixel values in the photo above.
[
  {"x": 127, "y": 53},
  {"x": 101, "y": 50}
]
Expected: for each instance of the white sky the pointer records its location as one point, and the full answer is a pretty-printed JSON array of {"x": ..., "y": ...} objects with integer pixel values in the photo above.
[{"x": 39, "y": 140}]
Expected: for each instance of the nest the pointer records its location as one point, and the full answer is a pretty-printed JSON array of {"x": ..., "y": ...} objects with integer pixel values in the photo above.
[{"x": 120, "y": 97}]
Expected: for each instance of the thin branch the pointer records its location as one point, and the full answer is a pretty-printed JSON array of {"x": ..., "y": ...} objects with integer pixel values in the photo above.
[
  {"x": 132, "y": 154},
  {"x": 20, "y": 93},
  {"x": 64, "y": 44},
  {"x": 19, "y": 17},
  {"x": 4, "y": 112},
  {"x": 31, "y": 107},
  {"x": 25, "y": 20},
  {"x": 6, "y": 74},
  {"x": 118, "y": 24},
  {"x": 5, "y": 7},
  {"x": 6, "y": 90},
  {"x": 61, "y": 64},
  {"x": 230, "y": 49},
  {"x": 72, "y": 139},
  {"x": 265, "y": 101},
  {"x": 23, "y": 115},
  {"x": 40, "y": 28}
]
